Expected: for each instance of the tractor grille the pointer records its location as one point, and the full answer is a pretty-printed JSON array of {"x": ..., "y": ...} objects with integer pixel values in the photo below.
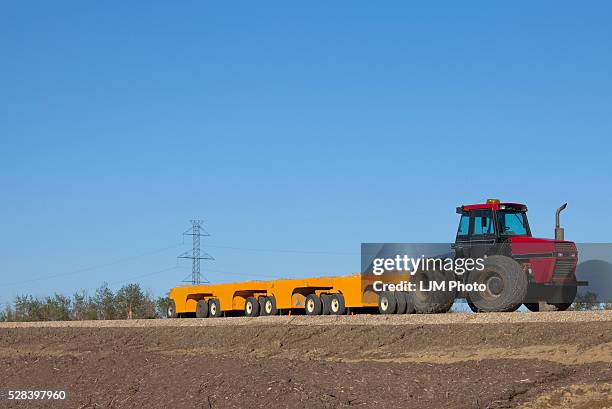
[
  {"x": 565, "y": 248},
  {"x": 566, "y": 256},
  {"x": 564, "y": 268}
]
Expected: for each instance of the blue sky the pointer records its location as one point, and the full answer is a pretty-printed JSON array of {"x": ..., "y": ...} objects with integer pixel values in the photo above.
[{"x": 310, "y": 127}]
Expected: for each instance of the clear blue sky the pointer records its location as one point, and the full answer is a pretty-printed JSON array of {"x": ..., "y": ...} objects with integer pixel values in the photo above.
[{"x": 311, "y": 127}]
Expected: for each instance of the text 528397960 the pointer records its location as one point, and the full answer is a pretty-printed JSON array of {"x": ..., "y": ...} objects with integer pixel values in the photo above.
[{"x": 16, "y": 395}]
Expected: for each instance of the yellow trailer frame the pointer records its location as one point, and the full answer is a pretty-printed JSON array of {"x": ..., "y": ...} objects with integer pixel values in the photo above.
[{"x": 288, "y": 293}]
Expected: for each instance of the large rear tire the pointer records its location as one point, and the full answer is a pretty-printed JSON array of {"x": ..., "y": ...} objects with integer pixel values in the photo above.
[
  {"x": 409, "y": 302},
  {"x": 432, "y": 302},
  {"x": 475, "y": 309},
  {"x": 506, "y": 285},
  {"x": 472, "y": 306},
  {"x": 400, "y": 300}
]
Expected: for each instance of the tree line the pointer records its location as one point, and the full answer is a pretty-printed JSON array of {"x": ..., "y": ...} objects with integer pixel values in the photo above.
[
  {"x": 590, "y": 301},
  {"x": 129, "y": 302}
]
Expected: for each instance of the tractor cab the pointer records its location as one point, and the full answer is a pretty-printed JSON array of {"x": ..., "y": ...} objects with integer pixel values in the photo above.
[
  {"x": 492, "y": 220},
  {"x": 488, "y": 228}
]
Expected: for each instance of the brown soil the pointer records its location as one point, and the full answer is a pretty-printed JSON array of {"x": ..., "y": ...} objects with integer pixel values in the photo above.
[{"x": 366, "y": 361}]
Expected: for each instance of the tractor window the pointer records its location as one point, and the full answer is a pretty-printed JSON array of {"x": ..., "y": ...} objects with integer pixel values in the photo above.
[
  {"x": 512, "y": 223},
  {"x": 483, "y": 222},
  {"x": 464, "y": 225}
]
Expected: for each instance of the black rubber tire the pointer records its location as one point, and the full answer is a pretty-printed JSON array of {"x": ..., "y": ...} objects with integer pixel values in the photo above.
[
  {"x": 325, "y": 304},
  {"x": 400, "y": 301},
  {"x": 563, "y": 298},
  {"x": 516, "y": 307},
  {"x": 214, "y": 308},
  {"x": 568, "y": 297},
  {"x": 202, "y": 309},
  {"x": 313, "y": 305},
  {"x": 562, "y": 306},
  {"x": 337, "y": 306},
  {"x": 472, "y": 306},
  {"x": 171, "y": 310},
  {"x": 269, "y": 306},
  {"x": 262, "y": 304},
  {"x": 251, "y": 307},
  {"x": 432, "y": 302},
  {"x": 386, "y": 302},
  {"x": 535, "y": 306},
  {"x": 475, "y": 309},
  {"x": 506, "y": 282},
  {"x": 409, "y": 302}
]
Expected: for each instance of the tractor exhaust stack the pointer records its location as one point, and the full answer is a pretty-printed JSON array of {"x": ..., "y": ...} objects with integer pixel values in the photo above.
[{"x": 559, "y": 232}]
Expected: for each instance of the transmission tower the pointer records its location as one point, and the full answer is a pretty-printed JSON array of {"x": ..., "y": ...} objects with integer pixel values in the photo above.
[{"x": 196, "y": 231}]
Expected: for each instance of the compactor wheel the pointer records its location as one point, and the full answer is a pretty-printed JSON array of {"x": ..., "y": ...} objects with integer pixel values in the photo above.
[
  {"x": 387, "y": 303},
  {"x": 313, "y": 305},
  {"x": 337, "y": 306},
  {"x": 202, "y": 309},
  {"x": 251, "y": 307},
  {"x": 214, "y": 308}
]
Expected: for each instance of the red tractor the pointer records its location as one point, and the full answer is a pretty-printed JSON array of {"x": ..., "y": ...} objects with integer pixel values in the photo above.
[{"x": 519, "y": 268}]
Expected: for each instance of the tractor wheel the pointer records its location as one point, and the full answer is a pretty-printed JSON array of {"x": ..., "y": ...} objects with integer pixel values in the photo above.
[
  {"x": 171, "y": 310},
  {"x": 409, "y": 302},
  {"x": 429, "y": 301},
  {"x": 251, "y": 307},
  {"x": 337, "y": 305},
  {"x": 562, "y": 306},
  {"x": 472, "y": 306},
  {"x": 568, "y": 295},
  {"x": 312, "y": 305},
  {"x": 214, "y": 308},
  {"x": 562, "y": 302},
  {"x": 202, "y": 309},
  {"x": 535, "y": 306},
  {"x": 325, "y": 304},
  {"x": 387, "y": 303},
  {"x": 400, "y": 301},
  {"x": 506, "y": 285},
  {"x": 515, "y": 308},
  {"x": 475, "y": 309},
  {"x": 269, "y": 306}
]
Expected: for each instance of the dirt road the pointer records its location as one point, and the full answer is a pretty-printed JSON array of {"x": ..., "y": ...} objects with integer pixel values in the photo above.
[{"x": 530, "y": 360}]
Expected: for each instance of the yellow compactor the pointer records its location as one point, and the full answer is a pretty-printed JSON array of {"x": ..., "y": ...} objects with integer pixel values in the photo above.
[{"x": 314, "y": 296}]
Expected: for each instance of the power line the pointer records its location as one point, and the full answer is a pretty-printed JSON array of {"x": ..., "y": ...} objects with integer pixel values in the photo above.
[
  {"x": 86, "y": 269},
  {"x": 145, "y": 275},
  {"x": 253, "y": 275},
  {"x": 314, "y": 252}
]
